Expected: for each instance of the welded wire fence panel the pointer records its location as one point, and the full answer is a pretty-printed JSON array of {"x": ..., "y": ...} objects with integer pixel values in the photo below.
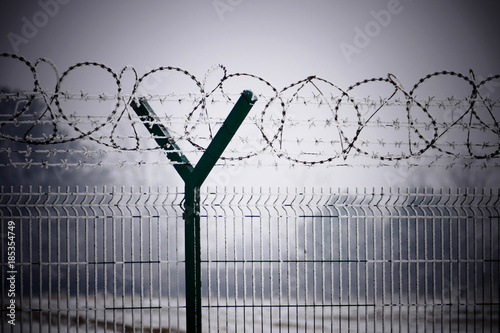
[
  {"x": 283, "y": 259},
  {"x": 100, "y": 259},
  {"x": 363, "y": 261}
]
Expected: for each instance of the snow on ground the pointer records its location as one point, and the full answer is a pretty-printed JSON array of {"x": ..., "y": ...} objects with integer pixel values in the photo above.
[{"x": 74, "y": 314}]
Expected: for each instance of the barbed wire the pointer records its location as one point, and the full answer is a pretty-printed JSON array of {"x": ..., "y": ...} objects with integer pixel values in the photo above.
[{"x": 311, "y": 121}]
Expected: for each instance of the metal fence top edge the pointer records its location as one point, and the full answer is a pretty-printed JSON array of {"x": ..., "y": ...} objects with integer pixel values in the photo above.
[
  {"x": 145, "y": 196},
  {"x": 254, "y": 190}
]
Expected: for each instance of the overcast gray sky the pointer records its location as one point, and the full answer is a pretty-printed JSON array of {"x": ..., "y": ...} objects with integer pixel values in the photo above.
[{"x": 280, "y": 40}]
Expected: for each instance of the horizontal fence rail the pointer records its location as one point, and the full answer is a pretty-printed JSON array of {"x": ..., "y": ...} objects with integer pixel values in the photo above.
[{"x": 279, "y": 259}]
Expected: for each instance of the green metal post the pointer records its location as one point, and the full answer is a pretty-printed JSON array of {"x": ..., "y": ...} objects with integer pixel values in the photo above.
[
  {"x": 193, "y": 257},
  {"x": 223, "y": 137},
  {"x": 193, "y": 179},
  {"x": 163, "y": 138}
]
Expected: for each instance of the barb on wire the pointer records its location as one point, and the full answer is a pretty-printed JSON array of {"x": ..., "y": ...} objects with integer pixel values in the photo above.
[{"x": 311, "y": 121}]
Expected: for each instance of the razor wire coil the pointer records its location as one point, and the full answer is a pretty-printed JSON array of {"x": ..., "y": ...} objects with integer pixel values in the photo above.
[{"x": 426, "y": 135}]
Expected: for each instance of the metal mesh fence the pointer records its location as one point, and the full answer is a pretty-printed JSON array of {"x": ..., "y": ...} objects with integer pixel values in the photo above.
[
  {"x": 96, "y": 260},
  {"x": 366, "y": 260}
]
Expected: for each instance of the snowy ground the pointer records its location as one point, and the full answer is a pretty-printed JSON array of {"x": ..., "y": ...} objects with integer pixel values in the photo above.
[{"x": 74, "y": 315}]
